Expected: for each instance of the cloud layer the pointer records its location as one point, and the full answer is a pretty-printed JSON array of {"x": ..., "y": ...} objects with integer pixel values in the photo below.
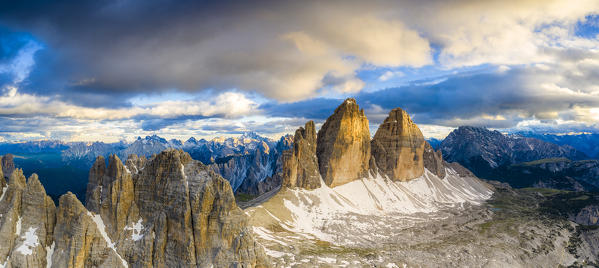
[{"x": 269, "y": 65}]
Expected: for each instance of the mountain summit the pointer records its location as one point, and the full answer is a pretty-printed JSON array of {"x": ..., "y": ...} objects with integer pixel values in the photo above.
[
  {"x": 331, "y": 181},
  {"x": 343, "y": 145},
  {"x": 398, "y": 147}
]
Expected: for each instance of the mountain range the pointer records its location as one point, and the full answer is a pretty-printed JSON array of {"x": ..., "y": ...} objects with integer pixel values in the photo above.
[
  {"x": 252, "y": 163},
  {"x": 246, "y": 161},
  {"x": 345, "y": 198},
  {"x": 521, "y": 161},
  {"x": 587, "y": 143}
]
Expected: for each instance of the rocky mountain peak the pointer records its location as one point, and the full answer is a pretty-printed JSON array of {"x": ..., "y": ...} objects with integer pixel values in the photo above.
[
  {"x": 398, "y": 147},
  {"x": 172, "y": 211},
  {"x": 343, "y": 145},
  {"x": 482, "y": 150},
  {"x": 300, "y": 165}
]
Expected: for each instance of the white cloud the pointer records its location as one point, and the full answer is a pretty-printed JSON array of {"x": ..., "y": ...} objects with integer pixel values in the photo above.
[
  {"x": 227, "y": 104},
  {"x": 390, "y": 74},
  {"x": 295, "y": 51}
]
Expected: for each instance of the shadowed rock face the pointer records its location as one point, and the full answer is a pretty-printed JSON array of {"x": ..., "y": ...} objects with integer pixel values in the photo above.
[
  {"x": 171, "y": 211},
  {"x": 79, "y": 240},
  {"x": 433, "y": 160},
  {"x": 398, "y": 147},
  {"x": 343, "y": 145},
  {"x": 300, "y": 166}
]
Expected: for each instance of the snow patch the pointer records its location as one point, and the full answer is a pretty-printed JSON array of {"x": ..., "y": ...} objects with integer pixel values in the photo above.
[
  {"x": 312, "y": 209},
  {"x": 184, "y": 175},
  {"x": 137, "y": 228},
  {"x": 31, "y": 241},
  {"x": 327, "y": 259},
  {"x": 3, "y": 192},
  {"x": 267, "y": 235},
  {"x": 3, "y": 265},
  {"x": 49, "y": 253},
  {"x": 274, "y": 253},
  {"x": 102, "y": 228},
  {"x": 18, "y": 227}
]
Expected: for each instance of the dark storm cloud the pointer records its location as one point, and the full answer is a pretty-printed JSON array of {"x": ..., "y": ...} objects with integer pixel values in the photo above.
[{"x": 284, "y": 50}]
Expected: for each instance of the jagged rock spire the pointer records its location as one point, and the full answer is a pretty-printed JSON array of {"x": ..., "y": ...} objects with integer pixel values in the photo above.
[
  {"x": 398, "y": 147},
  {"x": 172, "y": 211},
  {"x": 343, "y": 145},
  {"x": 300, "y": 166}
]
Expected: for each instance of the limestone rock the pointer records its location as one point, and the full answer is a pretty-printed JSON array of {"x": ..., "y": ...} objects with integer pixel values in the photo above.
[
  {"x": 300, "y": 165},
  {"x": 343, "y": 145},
  {"x": 134, "y": 163},
  {"x": 110, "y": 194},
  {"x": 27, "y": 222},
  {"x": 433, "y": 160},
  {"x": 80, "y": 240},
  {"x": 8, "y": 165},
  {"x": 172, "y": 211},
  {"x": 398, "y": 147}
]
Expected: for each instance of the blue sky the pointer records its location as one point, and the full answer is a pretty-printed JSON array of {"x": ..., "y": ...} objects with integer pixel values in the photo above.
[{"x": 118, "y": 69}]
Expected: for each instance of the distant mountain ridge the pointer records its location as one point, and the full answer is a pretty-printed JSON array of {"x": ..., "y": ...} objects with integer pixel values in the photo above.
[
  {"x": 520, "y": 161},
  {"x": 246, "y": 161},
  {"x": 483, "y": 150},
  {"x": 586, "y": 143}
]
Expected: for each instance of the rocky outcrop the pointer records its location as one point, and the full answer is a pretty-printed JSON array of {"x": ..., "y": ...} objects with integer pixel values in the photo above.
[
  {"x": 343, "y": 145},
  {"x": 300, "y": 165},
  {"x": 113, "y": 199},
  {"x": 588, "y": 215},
  {"x": 134, "y": 163},
  {"x": 8, "y": 165},
  {"x": 27, "y": 222},
  {"x": 81, "y": 239},
  {"x": 171, "y": 211},
  {"x": 433, "y": 160},
  {"x": 398, "y": 147}
]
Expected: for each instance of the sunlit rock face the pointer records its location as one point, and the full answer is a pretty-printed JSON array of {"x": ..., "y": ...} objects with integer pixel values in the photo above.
[
  {"x": 343, "y": 145},
  {"x": 398, "y": 147},
  {"x": 300, "y": 166}
]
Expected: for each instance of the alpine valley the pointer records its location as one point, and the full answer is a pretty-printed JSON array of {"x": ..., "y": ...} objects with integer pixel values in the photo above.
[{"x": 338, "y": 196}]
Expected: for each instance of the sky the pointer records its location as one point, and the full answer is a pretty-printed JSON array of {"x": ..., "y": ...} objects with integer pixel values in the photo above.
[{"x": 113, "y": 70}]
